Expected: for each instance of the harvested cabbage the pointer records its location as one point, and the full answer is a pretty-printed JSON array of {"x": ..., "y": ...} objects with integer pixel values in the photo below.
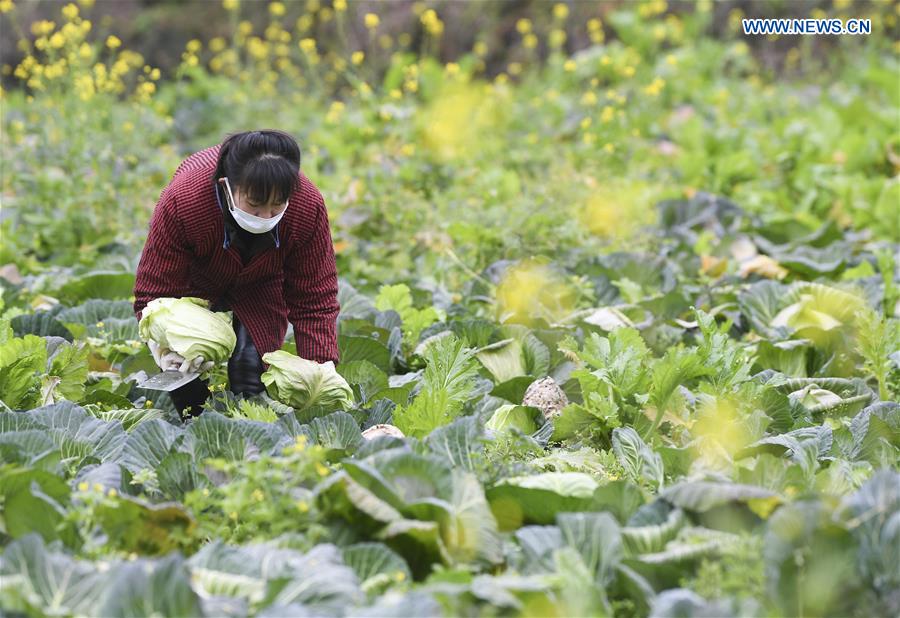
[
  {"x": 187, "y": 326},
  {"x": 382, "y": 430},
  {"x": 547, "y": 395},
  {"x": 301, "y": 383}
]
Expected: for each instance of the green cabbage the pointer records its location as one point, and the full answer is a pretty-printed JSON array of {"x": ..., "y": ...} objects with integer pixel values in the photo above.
[
  {"x": 186, "y": 326},
  {"x": 511, "y": 416},
  {"x": 301, "y": 383}
]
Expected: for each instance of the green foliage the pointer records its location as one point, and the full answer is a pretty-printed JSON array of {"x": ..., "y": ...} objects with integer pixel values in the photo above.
[
  {"x": 446, "y": 385},
  {"x": 399, "y": 299},
  {"x": 262, "y": 498},
  {"x": 877, "y": 339},
  {"x": 708, "y": 284}
]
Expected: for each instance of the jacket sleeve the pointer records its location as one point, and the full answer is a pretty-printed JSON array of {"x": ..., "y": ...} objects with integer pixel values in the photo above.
[
  {"x": 164, "y": 267},
  {"x": 310, "y": 292}
]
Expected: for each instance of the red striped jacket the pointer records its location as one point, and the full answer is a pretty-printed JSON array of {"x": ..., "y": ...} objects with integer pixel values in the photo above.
[{"x": 295, "y": 281}]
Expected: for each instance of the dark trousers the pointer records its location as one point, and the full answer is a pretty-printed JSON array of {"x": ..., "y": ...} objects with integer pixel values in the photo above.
[{"x": 244, "y": 370}]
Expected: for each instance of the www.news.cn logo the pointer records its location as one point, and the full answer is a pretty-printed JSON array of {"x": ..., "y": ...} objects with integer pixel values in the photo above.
[{"x": 807, "y": 26}]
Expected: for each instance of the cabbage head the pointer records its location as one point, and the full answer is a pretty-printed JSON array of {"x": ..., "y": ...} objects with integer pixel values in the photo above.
[
  {"x": 510, "y": 416},
  {"x": 301, "y": 383},
  {"x": 187, "y": 326}
]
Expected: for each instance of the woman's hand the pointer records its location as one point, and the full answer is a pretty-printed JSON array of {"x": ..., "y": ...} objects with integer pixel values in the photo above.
[
  {"x": 168, "y": 360},
  {"x": 165, "y": 358},
  {"x": 198, "y": 365}
]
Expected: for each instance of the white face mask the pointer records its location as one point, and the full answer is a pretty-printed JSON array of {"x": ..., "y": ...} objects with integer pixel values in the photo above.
[{"x": 251, "y": 223}]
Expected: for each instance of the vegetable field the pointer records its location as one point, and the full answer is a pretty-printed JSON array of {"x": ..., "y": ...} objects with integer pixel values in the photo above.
[{"x": 619, "y": 329}]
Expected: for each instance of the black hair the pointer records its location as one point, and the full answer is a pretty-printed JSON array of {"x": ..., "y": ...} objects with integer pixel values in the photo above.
[{"x": 264, "y": 164}]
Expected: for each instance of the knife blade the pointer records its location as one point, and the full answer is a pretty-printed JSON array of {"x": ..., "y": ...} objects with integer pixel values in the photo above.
[{"x": 168, "y": 380}]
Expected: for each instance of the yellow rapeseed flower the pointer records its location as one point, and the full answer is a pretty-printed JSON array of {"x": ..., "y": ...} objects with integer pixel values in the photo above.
[
  {"x": 480, "y": 48},
  {"x": 216, "y": 44},
  {"x": 357, "y": 57},
  {"x": 569, "y": 66},
  {"x": 194, "y": 46},
  {"x": 257, "y": 48},
  {"x": 230, "y": 5},
  {"x": 83, "y": 486},
  {"x": 71, "y": 31},
  {"x": 308, "y": 45},
  {"x": 557, "y": 37},
  {"x": 6, "y": 6},
  {"x": 277, "y": 9},
  {"x": 70, "y": 11},
  {"x": 371, "y": 20},
  {"x": 57, "y": 69},
  {"x": 57, "y": 40},
  {"x": 530, "y": 41},
  {"x": 112, "y": 41},
  {"x": 655, "y": 87},
  {"x": 452, "y": 68},
  {"x": 432, "y": 22},
  {"x": 42, "y": 27},
  {"x": 560, "y": 11},
  {"x": 334, "y": 112},
  {"x": 84, "y": 87},
  {"x": 86, "y": 3},
  {"x": 146, "y": 89},
  {"x": 340, "y": 5},
  {"x": 523, "y": 25}
]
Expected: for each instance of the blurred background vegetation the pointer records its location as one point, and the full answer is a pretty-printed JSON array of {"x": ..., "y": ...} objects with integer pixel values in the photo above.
[
  {"x": 160, "y": 29},
  {"x": 480, "y": 129}
]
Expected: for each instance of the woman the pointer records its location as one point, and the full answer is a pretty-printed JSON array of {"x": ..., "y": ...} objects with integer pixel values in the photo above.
[{"x": 264, "y": 252}]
